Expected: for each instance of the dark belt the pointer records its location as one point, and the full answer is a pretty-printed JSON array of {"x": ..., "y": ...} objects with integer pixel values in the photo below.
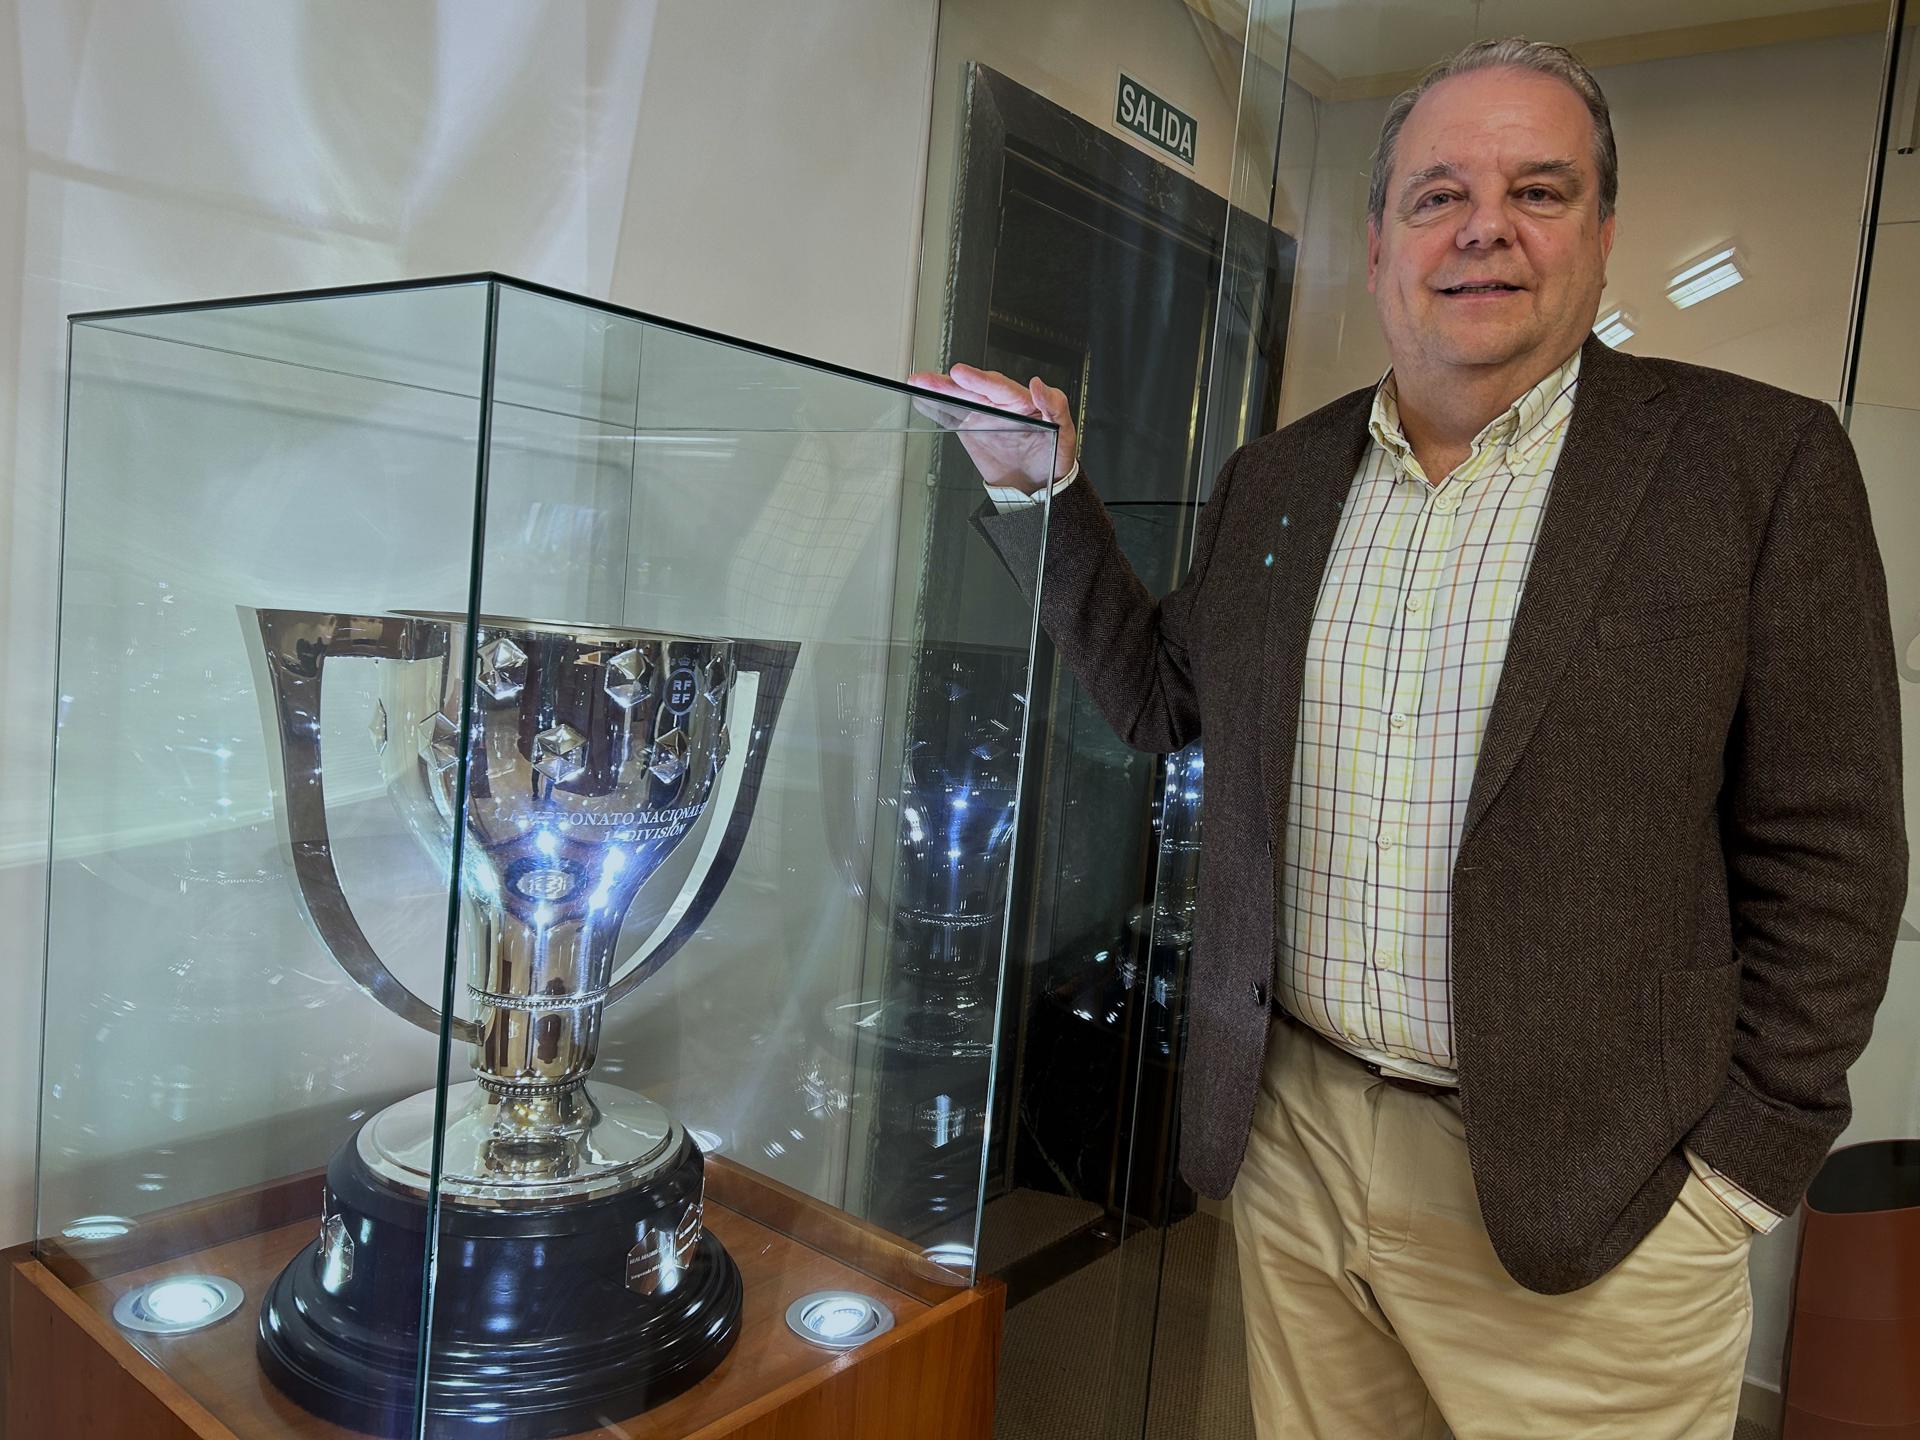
[{"x": 1393, "y": 1078}]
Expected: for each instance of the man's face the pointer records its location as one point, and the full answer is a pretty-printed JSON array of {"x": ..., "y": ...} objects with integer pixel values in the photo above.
[{"x": 1491, "y": 250}]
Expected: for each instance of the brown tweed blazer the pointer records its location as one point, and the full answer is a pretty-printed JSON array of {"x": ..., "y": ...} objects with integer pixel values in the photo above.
[{"x": 1684, "y": 857}]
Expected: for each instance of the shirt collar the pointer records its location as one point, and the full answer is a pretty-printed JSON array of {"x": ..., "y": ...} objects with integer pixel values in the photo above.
[{"x": 1517, "y": 424}]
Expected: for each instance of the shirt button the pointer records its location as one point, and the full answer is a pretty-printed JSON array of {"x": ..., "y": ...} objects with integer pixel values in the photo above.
[
  {"x": 1386, "y": 839},
  {"x": 1446, "y": 504},
  {"x": 1398, "y": 721},
  {"x": 1259, "y": 993},
  {"x": 1415, "y": 604}
]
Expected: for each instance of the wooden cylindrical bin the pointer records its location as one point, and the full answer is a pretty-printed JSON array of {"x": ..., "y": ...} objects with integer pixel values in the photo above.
[{"x": 1853, "y": 1354}]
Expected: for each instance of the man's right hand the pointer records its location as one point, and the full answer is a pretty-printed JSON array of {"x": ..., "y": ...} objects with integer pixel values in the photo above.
[{"x": 1023, "y": 460}]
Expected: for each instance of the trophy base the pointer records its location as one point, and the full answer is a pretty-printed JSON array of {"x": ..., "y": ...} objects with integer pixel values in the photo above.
[
  {"x": 620, "y": 1140},
  {"x": 542, "y": 1323}
]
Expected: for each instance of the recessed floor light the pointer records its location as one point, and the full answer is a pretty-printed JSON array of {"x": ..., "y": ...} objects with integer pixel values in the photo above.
[
  {"x": 178, "y": 1303},
  {"x": 838, "y": 1319}
]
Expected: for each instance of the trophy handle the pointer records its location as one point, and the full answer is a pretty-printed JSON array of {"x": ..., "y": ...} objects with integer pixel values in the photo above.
[
  {"x": 772, "y": 662},
  {"x": 292, "y": 650}
]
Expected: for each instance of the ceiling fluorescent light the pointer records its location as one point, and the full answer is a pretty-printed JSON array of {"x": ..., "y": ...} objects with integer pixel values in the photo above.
[
  {"x": 1708, "y": 277},
  {"x": 1615, "y": 328}
]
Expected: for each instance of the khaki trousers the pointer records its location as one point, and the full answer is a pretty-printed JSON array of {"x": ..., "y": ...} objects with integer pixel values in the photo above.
[{"x": 1376, "y": 1310}]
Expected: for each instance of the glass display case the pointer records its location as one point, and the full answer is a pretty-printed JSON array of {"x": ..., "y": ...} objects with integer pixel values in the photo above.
[{"x": 535, "y": 798}]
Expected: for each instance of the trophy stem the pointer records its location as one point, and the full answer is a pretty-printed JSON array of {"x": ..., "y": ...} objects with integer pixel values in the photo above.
[
  {"x": 534, "y": 1134},
  {"x": 539, "y": 992},
  {"x": 527, "y": 1131}
]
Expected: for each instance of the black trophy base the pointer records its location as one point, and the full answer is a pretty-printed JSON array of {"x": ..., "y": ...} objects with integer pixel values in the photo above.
[{"x": 534, "y": 1331}]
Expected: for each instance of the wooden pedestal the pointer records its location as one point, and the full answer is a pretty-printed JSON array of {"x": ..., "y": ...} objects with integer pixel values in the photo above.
[{"x": 75, "y": 1375}]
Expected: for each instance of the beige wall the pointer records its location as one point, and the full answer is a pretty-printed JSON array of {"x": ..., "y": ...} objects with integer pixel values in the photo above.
[
  {"x": 1890, "y": 340},
  {"x": 1072, "y": 52},
  {"x": 1767, "y": 147}
]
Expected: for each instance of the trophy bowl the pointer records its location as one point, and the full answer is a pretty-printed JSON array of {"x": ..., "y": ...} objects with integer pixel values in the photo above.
[{"x": 572, "y": 1276}]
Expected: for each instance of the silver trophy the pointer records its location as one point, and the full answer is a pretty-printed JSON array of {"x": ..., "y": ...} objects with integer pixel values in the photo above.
[{"x": 591, "y": 755}]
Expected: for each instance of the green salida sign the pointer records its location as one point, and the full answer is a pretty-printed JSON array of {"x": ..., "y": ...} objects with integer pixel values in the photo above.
[{"x": 1153, "y": 119}]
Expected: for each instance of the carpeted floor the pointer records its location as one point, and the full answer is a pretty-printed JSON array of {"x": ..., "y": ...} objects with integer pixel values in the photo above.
[
  {"x": 1020, "y": 1222},
  {"x": 1075, "y": 1362}
]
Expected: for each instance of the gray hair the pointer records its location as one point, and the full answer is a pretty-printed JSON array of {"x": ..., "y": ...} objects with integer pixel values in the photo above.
[{"x": 1512, "y": 53}]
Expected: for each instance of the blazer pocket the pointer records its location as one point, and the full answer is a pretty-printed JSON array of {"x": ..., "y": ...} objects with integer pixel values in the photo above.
[
  {"x": 1669, "y": 622},
  {"x": 1698, "y": 1009}
]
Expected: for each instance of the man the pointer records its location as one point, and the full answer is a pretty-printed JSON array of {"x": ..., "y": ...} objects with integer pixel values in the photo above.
[{"x": 1554, "y": 845}]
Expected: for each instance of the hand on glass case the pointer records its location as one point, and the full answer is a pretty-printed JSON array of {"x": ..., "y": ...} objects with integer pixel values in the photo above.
[{"x": 1007, "y": 459}]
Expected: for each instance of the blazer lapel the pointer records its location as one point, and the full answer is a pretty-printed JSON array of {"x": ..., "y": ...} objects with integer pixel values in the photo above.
[
  {"x": 1300, "y": 537},
  {"x": 1613, "y": 444}
]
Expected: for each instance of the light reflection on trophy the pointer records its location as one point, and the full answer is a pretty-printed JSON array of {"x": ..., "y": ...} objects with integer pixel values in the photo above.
[
  {"x": 932, "y": 1024},
  {"x": 569, "y": 1229}
]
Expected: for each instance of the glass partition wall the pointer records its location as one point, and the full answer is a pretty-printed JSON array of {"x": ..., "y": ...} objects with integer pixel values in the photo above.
[
  {"x": 1747, "y": 137},
  {"x": 1088, "y": 221},
  {"x": 1882, "y": 414}
]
